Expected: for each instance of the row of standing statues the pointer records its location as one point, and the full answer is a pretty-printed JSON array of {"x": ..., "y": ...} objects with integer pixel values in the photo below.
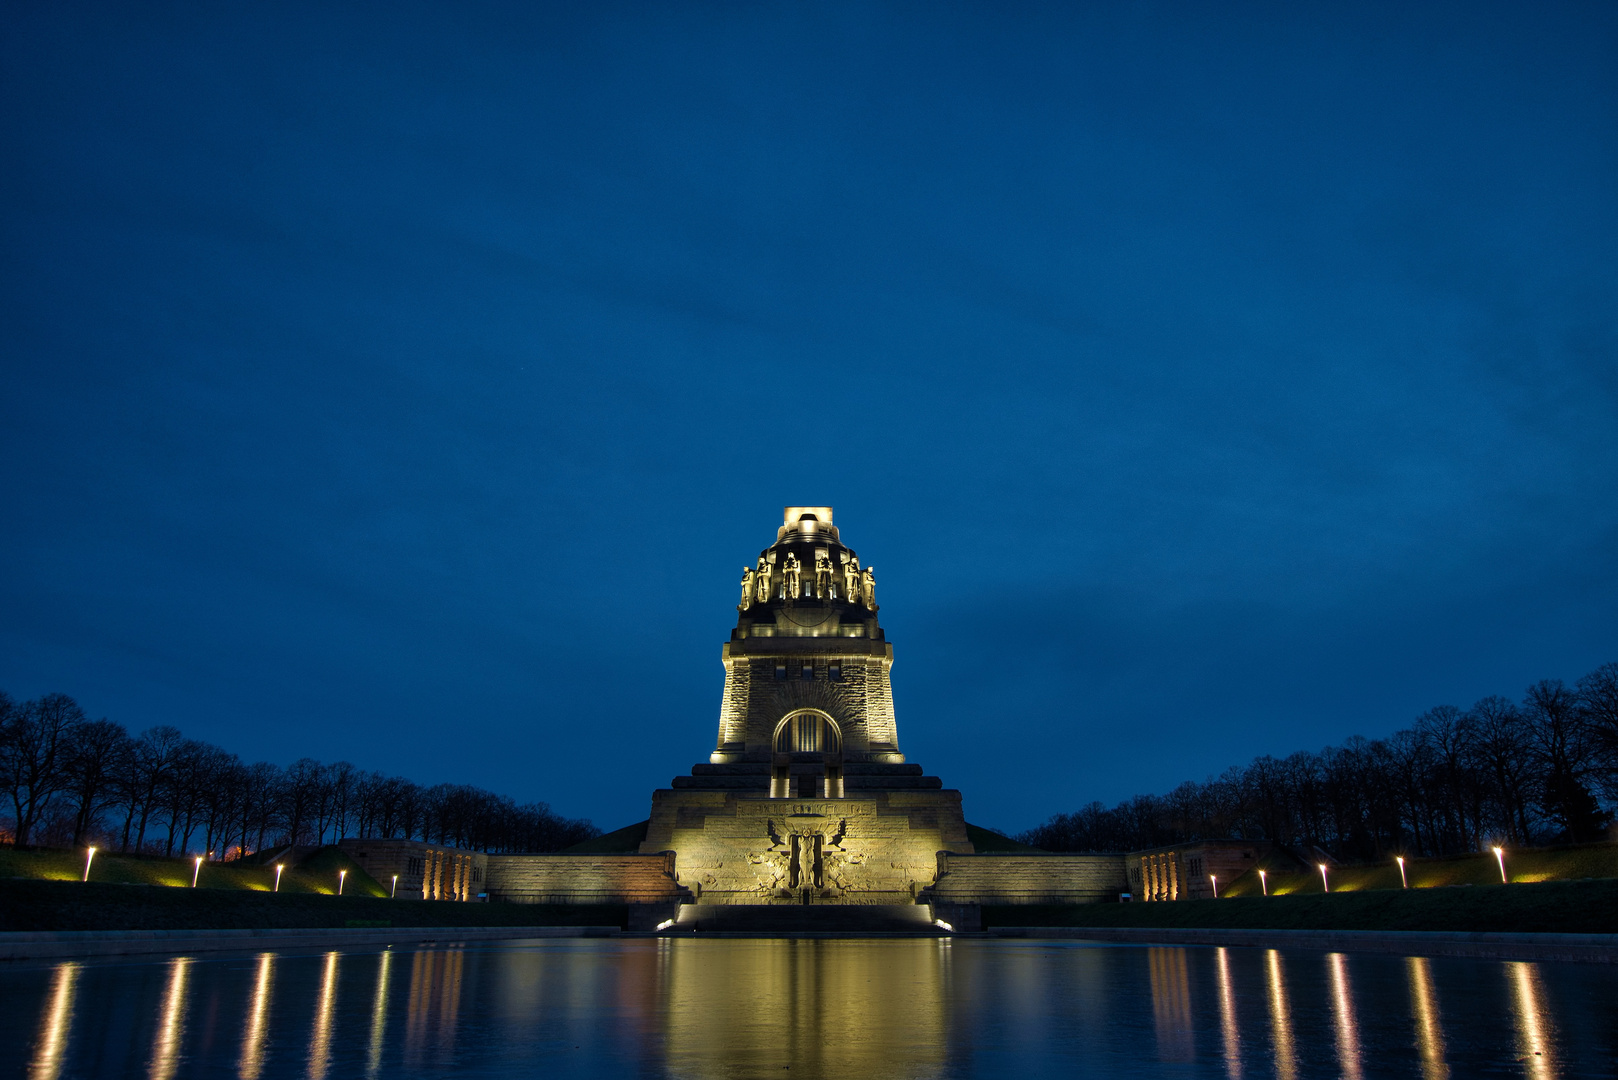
[{"x": 789, "y": 581}]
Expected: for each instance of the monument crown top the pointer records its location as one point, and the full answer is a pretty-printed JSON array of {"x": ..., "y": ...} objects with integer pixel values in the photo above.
[
  {"x": 809, "y": 521},
  {"x": 794, "y": 514}
]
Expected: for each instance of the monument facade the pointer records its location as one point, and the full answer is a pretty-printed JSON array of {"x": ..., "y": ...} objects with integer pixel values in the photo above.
[{"x": 806, "y": 797}]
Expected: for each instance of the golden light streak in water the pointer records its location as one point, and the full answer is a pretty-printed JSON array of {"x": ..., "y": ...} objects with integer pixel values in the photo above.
[
  {"x": 1171, "y": 1004},
  {"x": 1429, "y": 1029},
  {"x": 258, "y": 1020},
  {"x": 51, "y": 1046},
  {"x": 823, "y": 1007},
  {"x": 1532, "y": 1043},
  {"x": 435, "y": 992},
  {"x": 1227, "y": 1015},
  {"x": 320, "y": 1043},
  {"x": 1286, "y": 1061},
  {"x": 170, "y": 1023},
  {"x": 1348, "y": 1030},
  {"x": 379, "y": 1016}
]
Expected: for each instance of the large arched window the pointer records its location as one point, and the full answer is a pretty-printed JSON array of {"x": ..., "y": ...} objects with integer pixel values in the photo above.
[{"x": 808, "y": 731}]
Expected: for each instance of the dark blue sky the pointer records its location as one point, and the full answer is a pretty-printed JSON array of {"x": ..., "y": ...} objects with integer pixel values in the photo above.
[{"x": 409, "y": 385}]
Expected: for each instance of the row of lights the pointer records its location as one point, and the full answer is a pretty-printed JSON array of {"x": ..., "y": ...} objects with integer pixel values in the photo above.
[
  {"x": 196, "y": 873},
  {"x": 1325, "y": 882}
]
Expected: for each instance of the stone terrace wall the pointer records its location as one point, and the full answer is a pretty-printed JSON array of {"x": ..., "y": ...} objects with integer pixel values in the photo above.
[
  {"x": 1015, "y": 878},
  {"x": 583, "y": 879}
]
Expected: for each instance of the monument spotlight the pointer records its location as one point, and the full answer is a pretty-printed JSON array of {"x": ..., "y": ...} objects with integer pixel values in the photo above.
[
  {"x": 1215, "y": 880},
  {"x": 1324, "y": 884},
  {"x": 88, "y": 855},
  {"x": 278, "y": 869},
  {"x": 393, "y": 894},
  {"x": 342, "y": 876},
  {"x": 1264, "y": 885},
  {"x": 1500, "y": 857},
  {"x": 665, "y": 924},
  {"x": 944, "y": 925},
  {"x": 196, "y": 873},
  {"x": 1403, "y": 883}
]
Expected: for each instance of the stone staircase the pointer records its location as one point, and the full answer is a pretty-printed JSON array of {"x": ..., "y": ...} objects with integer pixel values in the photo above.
[{"x": 830, "y": 919}]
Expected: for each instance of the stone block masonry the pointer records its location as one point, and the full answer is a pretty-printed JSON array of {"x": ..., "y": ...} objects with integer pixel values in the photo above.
[
  {"x": 584, "y": 879},
  {"x": 1016, "y": 878}
]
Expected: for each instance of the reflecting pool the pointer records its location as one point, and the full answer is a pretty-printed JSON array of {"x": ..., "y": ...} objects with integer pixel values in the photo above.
[{"x": 901, "y": 1008}]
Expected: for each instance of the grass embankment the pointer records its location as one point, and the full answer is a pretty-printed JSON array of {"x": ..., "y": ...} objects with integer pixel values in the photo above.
[
  {"x": 317, "y": 874},
  {"x": 1564, "y": 907},
  {"x": 44, "y": 890},
  {"x": 626, "y": 839},
  {"x": 1524, "y": 866},
  {"x": 989, "y": 840}
]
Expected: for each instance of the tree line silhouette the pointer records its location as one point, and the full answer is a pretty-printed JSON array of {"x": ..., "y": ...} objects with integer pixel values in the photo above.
[
  {"x": 70, "y": 781},
  {"x": 1531, "y": 772}
]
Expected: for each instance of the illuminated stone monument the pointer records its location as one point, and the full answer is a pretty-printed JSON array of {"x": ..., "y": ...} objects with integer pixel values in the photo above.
[{"x": 806, "y": 797}]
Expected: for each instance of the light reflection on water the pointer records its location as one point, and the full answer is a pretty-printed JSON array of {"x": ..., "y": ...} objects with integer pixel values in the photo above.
[
  {"x": 734, "y": 1008},
  {"x": 167, "y": 1045},
  {"x": 54, "y": 1024},
  {"x": 1348, "y": 1035},
  {"x": 1424, "y": 1011},
  {"x": 258, "y": 1021},
  {"x": 1280, "y": 1018}
]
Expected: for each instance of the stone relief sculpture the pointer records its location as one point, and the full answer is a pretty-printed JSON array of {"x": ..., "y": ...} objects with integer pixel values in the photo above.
[
  {"x": 822, "y": 575},
  {"x": 770, "y": 870},
  {"x": 868, "y": 587},
  {"x": 747, "y": 588},
  {"x": 793, "y": 570},
  {"x": 851, "y": 579},
  {"x": 836, "y": 840}
]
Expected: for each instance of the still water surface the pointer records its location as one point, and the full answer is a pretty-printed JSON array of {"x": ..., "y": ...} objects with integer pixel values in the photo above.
[{"x": 807, "y": 1009}]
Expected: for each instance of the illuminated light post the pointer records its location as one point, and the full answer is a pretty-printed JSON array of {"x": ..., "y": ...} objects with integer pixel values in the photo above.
[
  {"x": 1263, "y": 884},
  {"x": 393, "y": 894},
  {"x": 88, "y": 855},
  {"x": 1324, "y": 884},
  {"x": 278, "y": 869},
  {"x": 342, "y": 875},
  {"x": 197, "y": 873},
  {"x": 1403, "y": 883},
  {"x": 1215, "y": 880},
  {"x": 1500, "y": 857}
]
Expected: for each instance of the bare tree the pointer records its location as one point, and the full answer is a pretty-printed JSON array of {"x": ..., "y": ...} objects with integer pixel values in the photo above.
[
  {"x": 35, "y": 740},
  {"x": 1598, "y": 699},
  {"x": 1556, "y": 723},
  {"x": 99, "y": 750}
]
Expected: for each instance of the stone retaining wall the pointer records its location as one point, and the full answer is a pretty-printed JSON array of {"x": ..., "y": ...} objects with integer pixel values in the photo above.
[
  {"x": 595, "y": 878},
  {"x": 1017, "y": 878}
]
